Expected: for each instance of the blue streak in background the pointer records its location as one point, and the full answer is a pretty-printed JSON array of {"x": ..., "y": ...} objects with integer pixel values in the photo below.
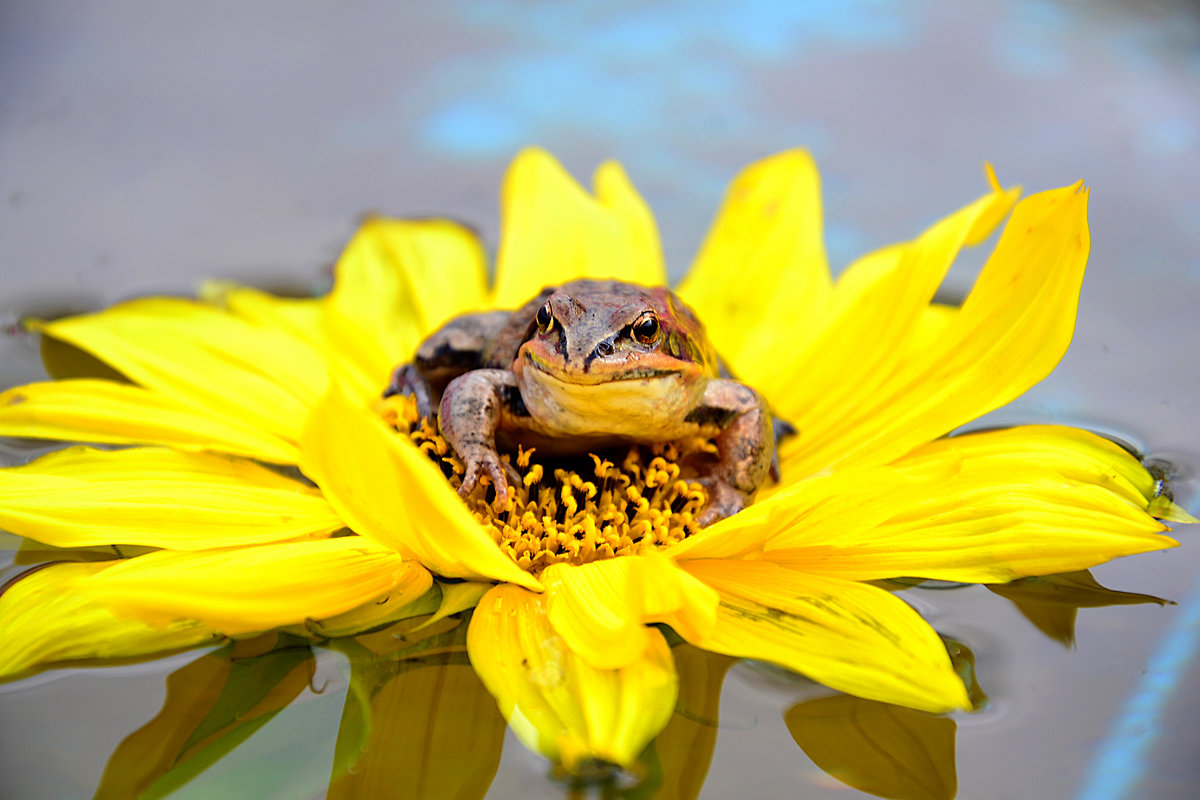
[{"x": 1121, "y": 762}]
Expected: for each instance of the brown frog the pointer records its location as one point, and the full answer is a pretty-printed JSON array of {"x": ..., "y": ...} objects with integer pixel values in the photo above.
[{"x": 582, "y": 367}]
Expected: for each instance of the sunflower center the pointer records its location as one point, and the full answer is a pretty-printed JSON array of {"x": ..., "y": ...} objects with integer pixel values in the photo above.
[{"x": 579, "y": 511}]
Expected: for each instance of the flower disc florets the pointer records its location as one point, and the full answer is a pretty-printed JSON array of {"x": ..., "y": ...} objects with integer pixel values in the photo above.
[{"x": 575, "y": 512}]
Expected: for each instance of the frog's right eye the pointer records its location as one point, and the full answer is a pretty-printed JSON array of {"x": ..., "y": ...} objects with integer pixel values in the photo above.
[{"x": 545, "y": 318}]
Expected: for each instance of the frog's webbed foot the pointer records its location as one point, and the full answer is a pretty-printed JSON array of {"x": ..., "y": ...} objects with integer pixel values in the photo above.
[
  {"x": 481, "y": 460},
  {"x": 407, "y": 380},
  {"x": 723, "y": 501}
]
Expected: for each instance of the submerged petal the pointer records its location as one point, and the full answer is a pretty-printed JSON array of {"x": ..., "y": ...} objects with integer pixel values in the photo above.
[
  {"x": 204, "y": 358},
  {"x": 850, "y": 636},
  {"x": 248, "y": 589},
  {"x": 601, "y": 609},
  {"x": 978, "y": 508},
  {"x": 556, "y": 703},
  {"x": 45, "y": 619},
  {"x": 763, "y": 265},
  {"x": 117, "y": 413},
  {"x": 554, "y": 231},
  {"x": 387, "y": 490},
  {"x": 161, "y": 498}
]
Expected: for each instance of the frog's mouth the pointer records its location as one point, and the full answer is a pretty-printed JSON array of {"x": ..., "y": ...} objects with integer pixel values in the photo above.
[{"x": 597, "y": 372}]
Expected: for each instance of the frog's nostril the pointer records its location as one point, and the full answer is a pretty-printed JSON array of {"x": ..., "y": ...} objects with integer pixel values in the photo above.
[{"x": 604, "y": 349}]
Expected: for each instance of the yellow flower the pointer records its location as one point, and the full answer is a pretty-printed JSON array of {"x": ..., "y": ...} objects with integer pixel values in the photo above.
[{"x": 869, "y": 369}]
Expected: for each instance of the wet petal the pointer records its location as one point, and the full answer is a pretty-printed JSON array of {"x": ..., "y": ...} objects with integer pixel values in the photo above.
[
  {"x": 979, "y": 508},
  {"x": 161, "y": 498},
  {"x": 45, "y": 619},
  {"x": 115, "y": 413},
  {"x": 554, "y": 231},
  {"x": 255, "y": 588},
  {"x": 1010, "y": 332},
  {"x": 411, "y": 598},
  {"x": 763, "y": 265},
  {"x": 601, "y": 609},
  {"x": 555, "y": 702},
  {"x": 389, "y": 491},
  {"x": 850, "y": 636},
  {"x": 396, "y": 281},
  {"x": 204, "y": 359}
]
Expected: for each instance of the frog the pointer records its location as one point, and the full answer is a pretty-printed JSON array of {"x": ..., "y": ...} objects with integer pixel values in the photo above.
[{"x": 584, "y": 366}]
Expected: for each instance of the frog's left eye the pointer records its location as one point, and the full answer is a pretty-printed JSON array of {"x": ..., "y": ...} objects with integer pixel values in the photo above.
[
  {"x": 646, "y": 330},
  {"x": 545, "y": 318}
]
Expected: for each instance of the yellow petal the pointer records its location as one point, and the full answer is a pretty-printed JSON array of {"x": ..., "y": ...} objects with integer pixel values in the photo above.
[
  {"x": 212, "y": 705},
  {"x": 873, "y": 312},
  {"x": 615, "y": 192},
  {"x": 556, "y": 703},
  {"x": 412, "y": 597},
  {"x": 850, "y": 636},
  {"x": 116, "y": 413},
  {"x": 204, "y": 358},
  {"x": 396, "y": 281},
  {"x": 417, "y": 725},
  {"x": 985, "y": 507},
  {"x": 1010, "y": 332},
  {"x": 255, "y": 588},
  {"x": 302, "y": 317},
  {"x": 44, "y": 619},
  {"x": 877, "y": 748},
  {"x": 386, "y": 489},
  {"x": 554, "y": 231},
  {"x": 601, "y": 609},
  {"x": 161, "y": 498},
  {"x": 763, "y": 265}
]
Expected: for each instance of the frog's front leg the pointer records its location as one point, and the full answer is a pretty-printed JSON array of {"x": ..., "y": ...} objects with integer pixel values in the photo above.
[
  {"x": 453, "y": 349},
  {"x": 473, "y": 406},
  {"x": 745, "y": 446}
]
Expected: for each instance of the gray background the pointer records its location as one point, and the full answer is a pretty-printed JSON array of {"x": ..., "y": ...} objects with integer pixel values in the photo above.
[{"x": 145, "y": 146}]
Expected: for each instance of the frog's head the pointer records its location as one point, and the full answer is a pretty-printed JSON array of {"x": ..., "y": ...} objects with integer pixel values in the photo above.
[{"x": 596, "y": 332}]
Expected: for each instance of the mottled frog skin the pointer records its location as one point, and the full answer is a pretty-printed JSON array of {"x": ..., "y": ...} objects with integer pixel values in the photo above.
[{"x": 582, "y": 367}]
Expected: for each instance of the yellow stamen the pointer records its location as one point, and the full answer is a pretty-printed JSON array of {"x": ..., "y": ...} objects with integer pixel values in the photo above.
[{"x": 578, "y": 512}]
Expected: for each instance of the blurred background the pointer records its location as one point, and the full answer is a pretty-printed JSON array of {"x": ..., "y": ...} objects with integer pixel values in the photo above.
[{"x": 147, "y": 146}]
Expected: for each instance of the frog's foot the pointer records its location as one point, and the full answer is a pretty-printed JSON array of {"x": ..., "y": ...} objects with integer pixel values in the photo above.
[
  {"x": 481, "y": 460},
  {"x": 723, "y": 501},
  {"x": 406, "y": 380}
]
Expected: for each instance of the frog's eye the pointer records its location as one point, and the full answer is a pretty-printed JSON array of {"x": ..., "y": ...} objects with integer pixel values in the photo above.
[
  {"x": 646, "y": 330},
  {"x": 545, "y": 318}
]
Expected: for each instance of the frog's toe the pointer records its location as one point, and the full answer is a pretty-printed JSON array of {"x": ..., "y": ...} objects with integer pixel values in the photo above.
[
  {"x": 489, "y": 464},
  {"x": 723, "y": 501},
  {"x": 407, "y": 380}
]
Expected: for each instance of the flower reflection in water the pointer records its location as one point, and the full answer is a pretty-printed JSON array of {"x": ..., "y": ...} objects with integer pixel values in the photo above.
[{"x": 418, "y": 723}]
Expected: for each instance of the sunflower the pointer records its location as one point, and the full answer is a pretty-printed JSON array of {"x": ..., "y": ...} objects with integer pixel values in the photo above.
[{"x": 263, "y": 484}]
